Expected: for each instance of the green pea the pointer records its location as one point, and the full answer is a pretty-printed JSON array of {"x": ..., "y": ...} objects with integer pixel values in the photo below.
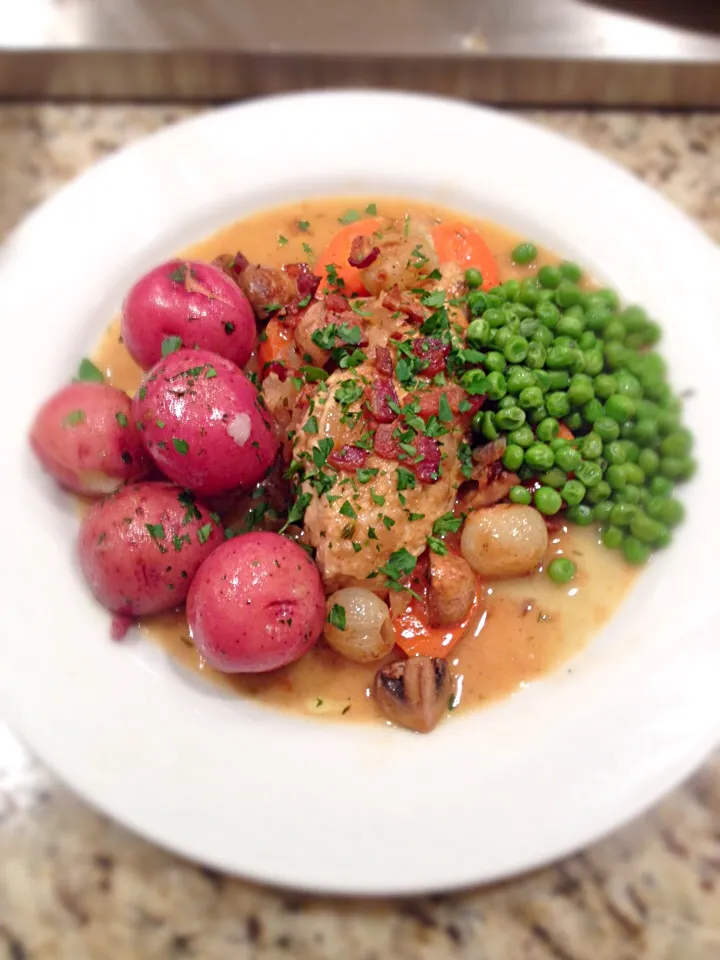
[
  {"x": 477, "y": 421},
  {"x": 616, "y": 475},
  {"x": 494, "y": 317},
  {"x": 605, "y": 385},
  {"x": 645, "y": 432},
  {"x": 529, "y": 291},
  {"x": 568, "y": 458},
  {"x": 567, "y": 294},
  {"x": 516, "y": 349},
  {"x": 561, "y": 570},
  {"x": 677, "y": 468},
  {"x": 612, "y": 537},
  {"x": 513, "y": 456},
  {"x": 478, "y": 302},
  {"x": 537, "y": 415},
  {"x": 557, "y": 404},
  {"x": 606, "y": 428},
  {"x": 628, "y": 385},
  {"x": 616, "y": 354},
  {"x": 570, "y": 326},
  {"x": 530, "y": 397},
  {"x": 615, "y": 330},
  {"x": 547, "y": 429},
  {"x": 619, "y": 407},
  {"x": 634, "y": 473},
  {"x": 512, "y": 289},
  {"x": 507, "y": 401},
  {"x": 496, "y": 385},
  {"x": 589, "y": 472},
  {"x": 573, "y": 492},
  {"x": 661, "y": 486},
  {"x": 635, "y": 552},
  {"x": 539, "y": 456},
  {"x": 666, "y": 509},
  {"x": 596, "y": 317},
  {"x": 501, "y": 336},
  {"x": 591, "y": 446},
  {"x": 488, "y": 426},
  {"x": 622, "y": 514},
  {"x": 614, "y": 452},
  {"x": 549, "y": 277},
  {"x": 495, "y": 361},
  {"x": 582, "y": 514},
  {"x": 600, "y": 492},
  {"x": 587, "y": 341},
  {"x": 548, "y": 501},
  {"x": 558, "y": 379},
  {"x": 576, "y": 311},
  {"x": 652, "y": 333},
  {"x": 580, "y": 390},
  {"x": 663, "y": 539},
  {"x": 536, "y": 355},
  {"x": 632, "y": 450},
  {"x": 593, "y": 410},
  {"x": 559, "y": 357},
  {"x": 555, "y": 478},
  {"x": 528, "y": 325},
  {"x": 634, "y": 318},
  {"x": 602, "y": 511},
  {"x": 524, "y": 253},
  {"x": 594, "y": 361},
  {"x": 510, "y": 418},
  {"x": 519, "y": 378},
  {"x": 608, "y": 297},
  {"x": 571, "y": 271},
  {"x": 523, "y": 436},
  {"x": 519, "y": 494},
  {"x": 678, "y": 444},
  {"x": 574, "y": 421},
  {"x": 649, "y": 462},
  {"x": 479, "y": 331},
  {"x": 473, "y": 278},
  {"x": 630, "y": 493},
  {"x": 645, "y": 528}
]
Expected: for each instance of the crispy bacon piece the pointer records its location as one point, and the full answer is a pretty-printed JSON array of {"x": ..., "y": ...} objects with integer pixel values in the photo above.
[
  {"x": 362, "y": 253},
  {"x": 279, "y": 369},
  {"x": 305, "y": 280},
  {"x": 233, "y": 264},
  {"x": 426, "y": 470},
  {"x": 336, "y": 303},
  {"x": 434, "y": 352},
  {"x": 491, "y": 484},
  {"x": 386, "y": 446},
  {"x": 429, "y": 401},
  {"x": 396, "y": 302},
  {"x": 383, "y": 361},
  {"x": 348, "y": 458},
  {"x": 380, "y": 395},
  {"x": 490, "y": 452}
]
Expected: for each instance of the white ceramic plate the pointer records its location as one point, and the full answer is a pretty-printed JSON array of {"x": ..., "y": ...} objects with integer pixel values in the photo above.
[{"x": 327, "y": 807}]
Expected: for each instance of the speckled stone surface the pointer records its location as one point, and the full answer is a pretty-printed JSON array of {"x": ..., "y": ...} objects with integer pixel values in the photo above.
[{"x": 74, "y": 886}]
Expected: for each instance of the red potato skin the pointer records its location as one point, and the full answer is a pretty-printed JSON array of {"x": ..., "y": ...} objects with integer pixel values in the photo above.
[
  {"x": 204, "y": 423},
  {"x": 194, "y": 301},
  {"x": 256, "y": 604},
  {"x": 132, "y": 567},
  {"x": 86, "y": 438}
]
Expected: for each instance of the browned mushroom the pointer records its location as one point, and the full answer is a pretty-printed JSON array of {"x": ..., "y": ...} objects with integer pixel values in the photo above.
[
  {"x": 414, "y": 693},
  {"x": 452, "y": 589}
]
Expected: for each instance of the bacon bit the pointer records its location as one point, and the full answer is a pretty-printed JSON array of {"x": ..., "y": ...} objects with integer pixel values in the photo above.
[
  {"x": 336, "y": 303},
  {"x": 426, "y": 470},
  {"x": 383, "y": 361},
  {"x": 120, "y": 625},
  {"x": 395, "y": 302},
  {"x": 434, "y": 352},
  {"x": 430, "y": 401},
  {"x": 554, "y": 524},
  {"x": 348, "y": 458},
  {"x": 362, "y": 254},
  {"x": 305, "y": 280},
  {"x": 491, "y": 483},
  {"x": 491, "y": 452},
  {"x": 386, "y": 446},
  {"x": 232, "y": 265},
  {"x": 380, "y": 395},
  {"x": 279, "y": 369}
]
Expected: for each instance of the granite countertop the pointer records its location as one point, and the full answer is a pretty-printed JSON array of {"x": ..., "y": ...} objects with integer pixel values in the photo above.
[{"x": 74, "y": 886}]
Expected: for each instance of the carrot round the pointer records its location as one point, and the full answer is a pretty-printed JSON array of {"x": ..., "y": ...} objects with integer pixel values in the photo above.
[
  {"x": 278, "y": 346},
  {"x": 565, "y": 433},
  {"x": 458, "y": 242},
  {"x": 416, "y": 638},
  {"x": 336, "y": 253}
]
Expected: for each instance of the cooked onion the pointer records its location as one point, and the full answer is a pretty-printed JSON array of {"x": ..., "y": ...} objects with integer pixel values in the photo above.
[
  {"x": 507, "y": 540},
  {"x": 369, "y": 633}
]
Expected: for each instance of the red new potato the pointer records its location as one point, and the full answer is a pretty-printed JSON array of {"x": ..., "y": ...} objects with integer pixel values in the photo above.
[
  {"x": 141, "y": 547},
  {"x": 204, "y": 423},
  {"x": 86, "y": 438},
  {"x": 256, "y": 604},
  {"x": 193, "y": 301}
]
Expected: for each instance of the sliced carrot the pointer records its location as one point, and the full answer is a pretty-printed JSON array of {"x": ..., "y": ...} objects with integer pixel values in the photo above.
[
  {"x": 277, "y": 346},
  {"x": 565, "y": 433},
  {"x": 417, "y": 638},
  {"x": 336, "y": 253},
  {"x": 458, "y": 242}
]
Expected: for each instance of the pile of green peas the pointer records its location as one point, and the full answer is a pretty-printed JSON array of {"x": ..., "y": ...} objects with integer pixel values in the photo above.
[{"x": 592, "y": 426}]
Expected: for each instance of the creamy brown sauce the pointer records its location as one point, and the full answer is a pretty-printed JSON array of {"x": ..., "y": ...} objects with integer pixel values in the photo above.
[{"x": 530, "y": 626}]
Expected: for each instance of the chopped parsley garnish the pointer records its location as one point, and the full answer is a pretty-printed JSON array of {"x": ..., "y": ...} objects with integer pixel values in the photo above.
[
  {"x": 475, "y": 382},
  {"x": 347, "y": 510},
  {"x": 210, "y": 372},
  {"x": 314, "y": 374},
  {"x": 447, "y": 523},
  {"x": 307, "y": 249},
  {"x": 156, "y": 531},
  {"x": 337, "y": 618},
  {"x": 388, "y": 522},
  {"x": 435, "y": 275},
  {"x": 181, "y": 446},
  {"x": 229, "y": 327},
  {"x": 366, "y": 474},
  {"x": 321, "y": 451},
  {"x": 371, "y": 533},
  {"x": 377, "y": 499},
  {"x": 350, "y": 216},
  {"x": 400, "y": 564},
  {"x": 311, "y": 426},
  {"x": 437, "y": 546},
  {"x": 74, "y": 418},
  {"x": 465, "y": 458},
  {"x": 179, "y": 541},
  {"x": 371, "y": 209},
  {"x": 325, "y": 337},
  {"x": 204, "y": 532},
  {"x": 434, "y": 299},
  {"x": 332, "y": 275},
  {"x": 178, "y": 275},
  {"x": 351, "y": 360},
  {"x": 416, "y": 516},
  {"x": 445, "y": 414},
  {"x": 351, "y": 335},
  {"x": 187, "y": 499},
  {"x": 357, "y": 308},
  {"x": 297, "y": 511},
  {"x": 405, "y": 479},
  {"x": 170, "y": 345},
  {"x": 303, "y": 225},
  {"x": 121, "y": 419},
  {"x": 89, "y": 373},
  {"x": 282, "y": 241},
  {"x": 348, "y": 392}
]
